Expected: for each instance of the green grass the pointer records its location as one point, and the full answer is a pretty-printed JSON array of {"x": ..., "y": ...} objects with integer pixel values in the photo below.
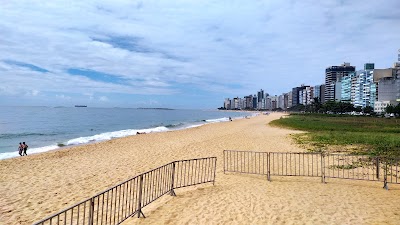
[{"x": 374, "y": 136}]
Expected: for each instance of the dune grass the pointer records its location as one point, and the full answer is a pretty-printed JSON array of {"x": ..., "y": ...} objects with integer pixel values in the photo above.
[{"x": 374, "y": 136}]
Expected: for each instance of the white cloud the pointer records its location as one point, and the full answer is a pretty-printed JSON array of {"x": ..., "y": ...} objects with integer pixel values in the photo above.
[
  {"x": 63, "y": 97},
  {"x": 103, "y": 99},
  {"x": 31, "y": 93},
  {"x": 157, "y": 47}
]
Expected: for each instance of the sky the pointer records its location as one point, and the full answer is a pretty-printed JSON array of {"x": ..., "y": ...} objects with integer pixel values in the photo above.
[{"x": 183, "y": 54}]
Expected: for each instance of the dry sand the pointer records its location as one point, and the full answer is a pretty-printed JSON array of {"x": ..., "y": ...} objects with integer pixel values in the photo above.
[{"x": 36, "y": 186}]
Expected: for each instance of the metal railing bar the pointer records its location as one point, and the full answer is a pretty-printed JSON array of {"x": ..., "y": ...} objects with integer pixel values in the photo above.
[{"x": 122, "y": 198}]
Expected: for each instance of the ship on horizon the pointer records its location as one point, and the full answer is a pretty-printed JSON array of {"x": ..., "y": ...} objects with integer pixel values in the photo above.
[{"x": 80, "y": 105}]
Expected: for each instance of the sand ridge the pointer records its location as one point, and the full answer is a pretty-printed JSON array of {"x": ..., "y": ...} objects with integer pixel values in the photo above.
[{"x": 36, "y": 186}]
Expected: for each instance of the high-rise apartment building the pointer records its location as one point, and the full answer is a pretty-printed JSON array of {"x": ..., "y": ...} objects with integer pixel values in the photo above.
[
  {"x": 260, "y": 99},
  {"x": 254, "y": 102},
  {"x": 388, "y": 87},
  {"x": 297, "y": 93},
  {"x": 290, "y": 96},
  {"x": 295, "y": 96},
  {"x": 317, "y": 92},
  {"x": 348, "y": 87},
  {"x": 359, "y": 87},
  {"x": 236, "y": 103},
  {"x": 285, "y": 101},
  {"x": 332, "y": 75},
  {"x": 227, "y": 103},
  {"x": 274, "y": 102},
  {"x": 281, "y": 102}
]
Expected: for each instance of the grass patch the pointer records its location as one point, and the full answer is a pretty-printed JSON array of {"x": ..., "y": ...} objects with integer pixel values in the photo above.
[
  {"x": 343, "y": 167},
  {"x": 357, "y": 135}
]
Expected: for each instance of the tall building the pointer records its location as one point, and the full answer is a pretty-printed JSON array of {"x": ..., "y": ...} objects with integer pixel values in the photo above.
[
  {"x": 322, "y": 92},
  {"x": 254, "y": 102},
  {"x": 309, "y": 95},
  {"x": 268, "y": 103},
  {"x": 285, "y": 101},
  {"x": 317, "y": 92},
  {"x": 227, "y": 103},
  {"x": 236, "y": 103},
  {"x": 297, "y": 98},
  {"x": 332, "y": 75},
  {"x": 348, "y": 87},
  {"x": 388, "y": 91},
  {"x": 274, "y": 102},
  {"x": 306, "y": 95},
  {"x": 358, "y": 88},
  {"x": 338, "y": 91},
  {"x": 248, "y": 102},
  {"x": 281, "y": 102},
  {"x": 260, "y": 98},
  {"x": 290, "y": 96}
]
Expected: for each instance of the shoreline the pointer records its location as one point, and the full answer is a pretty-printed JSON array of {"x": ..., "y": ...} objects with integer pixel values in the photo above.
[
  {"x": 115, "y": 135},
  {"x": 39, "y": 185}
]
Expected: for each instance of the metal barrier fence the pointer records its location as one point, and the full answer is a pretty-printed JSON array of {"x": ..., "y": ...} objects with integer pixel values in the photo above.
[
  {"x": 116, "y": 204},
  {"x": 356, "y": 167}
]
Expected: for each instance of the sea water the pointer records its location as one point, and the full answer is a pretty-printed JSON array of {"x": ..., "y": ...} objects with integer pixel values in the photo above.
[{"x": 49, "y": 128}]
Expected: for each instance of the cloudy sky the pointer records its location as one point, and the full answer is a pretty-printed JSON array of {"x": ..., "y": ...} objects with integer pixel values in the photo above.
[{"x": 183, "y": 54}]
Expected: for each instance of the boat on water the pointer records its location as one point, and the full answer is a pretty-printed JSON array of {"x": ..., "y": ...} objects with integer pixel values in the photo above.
[{"x": 80, "y": 105}]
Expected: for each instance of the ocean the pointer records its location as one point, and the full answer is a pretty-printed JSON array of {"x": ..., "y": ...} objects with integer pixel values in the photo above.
[{"x": 49, "y": 128}]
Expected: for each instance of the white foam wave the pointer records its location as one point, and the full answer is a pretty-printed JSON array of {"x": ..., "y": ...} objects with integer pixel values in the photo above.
[
  {"x": 115, "y": 134},
  {"x": 6, "y": 155},
  {"x": 111, "y": 135},
  {"x": 224, "y": 119},
  {"x": 193, "y": 126}
]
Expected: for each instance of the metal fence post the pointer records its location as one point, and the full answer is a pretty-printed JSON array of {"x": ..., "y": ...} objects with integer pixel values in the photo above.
[
  {"x": 268, "y": 166},
  {"x": 140, "y": 197},
  {"x": 377, "y": 168},
  {"x": 215, "y": 168},
  {"x": 91, "y": 211},
  {"x": 172, "y": 192},
  {"x": 322, "y": 168},
  {"x": 225, "y": 160}
]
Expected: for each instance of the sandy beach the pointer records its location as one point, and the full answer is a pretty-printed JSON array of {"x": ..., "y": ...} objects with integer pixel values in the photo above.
[{"x": 36, "y": 186}]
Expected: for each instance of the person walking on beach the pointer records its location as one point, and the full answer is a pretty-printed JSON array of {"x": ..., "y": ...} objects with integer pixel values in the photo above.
[
  {"x": 20, "y": 149},
  {"x": 25, "y": 147}
]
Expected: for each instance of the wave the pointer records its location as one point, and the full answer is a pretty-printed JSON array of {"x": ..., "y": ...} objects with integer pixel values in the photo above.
[
  {"x": 174, "y": 125},
  {"x": 107, "y": 136},
  {"x": 224, "y": 119},
  {"x": 111, "y": 135},
  {"x": 6, "y": 155}
]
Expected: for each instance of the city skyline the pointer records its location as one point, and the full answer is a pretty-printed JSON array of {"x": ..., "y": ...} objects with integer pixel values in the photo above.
[
  {"x": 371, "y": 89},
  {"x": 182, "y": 54}
]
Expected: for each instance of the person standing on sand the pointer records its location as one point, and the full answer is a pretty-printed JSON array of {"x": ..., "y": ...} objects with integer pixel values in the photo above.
[
  {"x": 25, "y": 147},
  {"x": 20, "y": 148}
]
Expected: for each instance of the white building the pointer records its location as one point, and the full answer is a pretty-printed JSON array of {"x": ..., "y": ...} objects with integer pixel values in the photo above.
[{"x": 380, "y": 106}]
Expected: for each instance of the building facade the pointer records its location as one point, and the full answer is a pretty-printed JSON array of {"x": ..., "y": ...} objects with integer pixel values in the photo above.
[{"x": 332, "y": 75}]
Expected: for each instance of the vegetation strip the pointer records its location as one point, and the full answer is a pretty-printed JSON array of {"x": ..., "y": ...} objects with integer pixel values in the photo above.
[{"x": 356, "y": 135}]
